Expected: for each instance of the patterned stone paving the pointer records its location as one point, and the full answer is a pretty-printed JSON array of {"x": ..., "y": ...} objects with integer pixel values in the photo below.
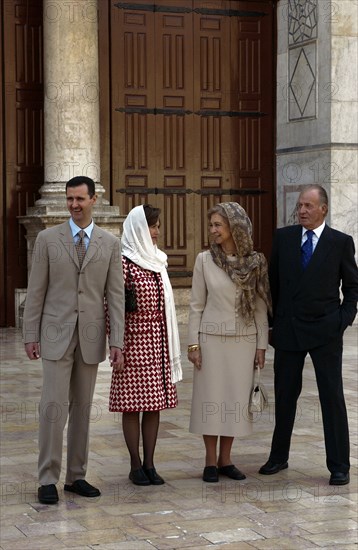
[{"x": 295, "y": 509}]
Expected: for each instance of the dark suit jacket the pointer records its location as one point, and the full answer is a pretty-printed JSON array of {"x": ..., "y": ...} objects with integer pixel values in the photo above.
[{"x": 307, "y": 308}]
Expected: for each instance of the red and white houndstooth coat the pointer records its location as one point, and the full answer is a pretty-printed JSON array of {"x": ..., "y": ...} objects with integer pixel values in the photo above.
[{"x": 145, "y": 382}]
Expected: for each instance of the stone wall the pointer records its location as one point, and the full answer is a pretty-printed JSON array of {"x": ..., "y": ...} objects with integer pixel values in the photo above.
[{"x": 317, "y": 107}]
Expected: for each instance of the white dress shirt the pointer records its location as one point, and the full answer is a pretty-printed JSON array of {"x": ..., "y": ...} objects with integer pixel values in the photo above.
[
  {"x": 75, "y": 229},
  {"x": 315, "y": 237}
]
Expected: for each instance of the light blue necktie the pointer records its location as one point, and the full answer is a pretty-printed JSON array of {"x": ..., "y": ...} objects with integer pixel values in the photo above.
[{"x": 307, "y": 249}]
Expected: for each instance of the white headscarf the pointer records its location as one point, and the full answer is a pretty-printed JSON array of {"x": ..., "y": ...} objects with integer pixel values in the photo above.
[{"x": 138, "y": 246}]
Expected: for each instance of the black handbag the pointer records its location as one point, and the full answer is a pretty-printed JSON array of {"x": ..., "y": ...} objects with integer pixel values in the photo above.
[{"x": 130, "y": 293}]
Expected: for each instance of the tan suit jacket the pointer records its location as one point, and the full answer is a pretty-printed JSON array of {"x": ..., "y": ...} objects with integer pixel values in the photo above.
[
  {"x": 60, "y": 294},
  {"x": 212, "y": 306}
]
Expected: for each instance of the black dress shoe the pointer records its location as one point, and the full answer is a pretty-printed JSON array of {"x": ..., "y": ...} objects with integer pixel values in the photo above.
[
  {"x": 232, "y": 472},
  {"x": 138, "y": 477},
  {"x": 153, "y": 477},
  {"x": 210, "y": 474},
  {"x": 48, "y": 494},
  {"x": 272, "y": 467},
  {"x": 83, "y": 488},
  {"x": 339, "y": 478}
]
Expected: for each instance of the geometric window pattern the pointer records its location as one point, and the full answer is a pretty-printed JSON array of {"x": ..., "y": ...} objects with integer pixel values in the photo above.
[
  {"x": 302, "y": 20},
  {"x": 302, "y": 80},
  {"x": 302, "y": 84}
]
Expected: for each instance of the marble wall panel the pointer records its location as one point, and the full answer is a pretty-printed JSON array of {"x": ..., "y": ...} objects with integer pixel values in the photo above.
[
  {"x": 344, "y": 18},
  {"x": 295, "y": 170},
  {"x": 282, "y": 25},
  {"x": 344, "y": 192},
  {"x": 344, "y": 61},
  {"x": 322, "y": 148}
]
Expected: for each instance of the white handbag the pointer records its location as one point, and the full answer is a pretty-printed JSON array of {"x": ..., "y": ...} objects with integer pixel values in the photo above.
[{"x": 258, "y": 397}]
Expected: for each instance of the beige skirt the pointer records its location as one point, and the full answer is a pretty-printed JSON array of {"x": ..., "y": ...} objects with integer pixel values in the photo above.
[{"x": 221, "y": 388}]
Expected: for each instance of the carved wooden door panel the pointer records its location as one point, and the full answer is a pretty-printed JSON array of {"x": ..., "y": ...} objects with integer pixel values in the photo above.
[
  {"x": 192, "y": 116},
  {"x": 151, "y": 134},
  {"x": 22, "y": 152}
]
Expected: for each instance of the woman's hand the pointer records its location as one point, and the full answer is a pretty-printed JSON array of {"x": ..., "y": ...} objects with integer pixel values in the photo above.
[
  {"x": 195, "y": 358},
  {"x": 260, "y": 358}
]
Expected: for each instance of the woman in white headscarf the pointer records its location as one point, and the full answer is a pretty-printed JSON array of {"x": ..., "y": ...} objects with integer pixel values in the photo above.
[{"x": 151, "y": 343}]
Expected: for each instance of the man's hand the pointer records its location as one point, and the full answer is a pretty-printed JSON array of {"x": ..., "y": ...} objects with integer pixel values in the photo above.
[
  {"x": 32, "y": 350},
  {"x": 116, "y": 359}
]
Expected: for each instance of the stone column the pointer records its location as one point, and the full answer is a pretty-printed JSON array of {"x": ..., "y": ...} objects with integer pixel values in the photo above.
[
  {"x": 344, "y": 116},
  {"x": 317, "y": 106},
  {"x": 71, "y": 115}
]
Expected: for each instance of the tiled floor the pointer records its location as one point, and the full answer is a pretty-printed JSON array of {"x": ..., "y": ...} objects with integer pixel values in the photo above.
[{"x": 293, "y": 509}]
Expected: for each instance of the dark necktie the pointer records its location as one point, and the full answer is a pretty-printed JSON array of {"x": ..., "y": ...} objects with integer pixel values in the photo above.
[
  {"x": 307, "y": 249},
  {"x": 81, "y": 247}
]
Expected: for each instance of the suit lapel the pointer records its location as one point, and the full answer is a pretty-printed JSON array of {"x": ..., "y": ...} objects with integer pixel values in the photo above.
[
  {"x": 66, "y": 238},
  {"x": 292, "y": 248},
  {"x": 323, "y": 247},
  {"x": 94, "y": 247},
  {"x": 93, "y": 250}
]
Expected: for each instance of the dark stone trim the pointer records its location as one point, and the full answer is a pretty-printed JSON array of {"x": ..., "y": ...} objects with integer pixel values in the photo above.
[
  {"x": 183, "y": 112},
  {"x": 316, "y": 147},
  {"x": 178, "y": 9},
  {"x": 183, "y": 191}
]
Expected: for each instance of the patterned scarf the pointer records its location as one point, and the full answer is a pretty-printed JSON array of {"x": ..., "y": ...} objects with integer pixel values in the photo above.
[{"x": 249, "y": 270}]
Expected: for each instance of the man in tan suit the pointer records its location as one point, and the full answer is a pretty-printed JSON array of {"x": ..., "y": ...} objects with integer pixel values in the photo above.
[{"x": 64, "y": 323}]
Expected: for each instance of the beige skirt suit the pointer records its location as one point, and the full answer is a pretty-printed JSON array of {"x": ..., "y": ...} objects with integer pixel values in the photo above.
[{"x": 222, "y": 386}]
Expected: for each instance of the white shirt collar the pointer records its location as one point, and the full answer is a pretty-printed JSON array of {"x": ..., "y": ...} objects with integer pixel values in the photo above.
[
  {"x": 317, "y": 231},
  {"x": 75, "y": 229}
]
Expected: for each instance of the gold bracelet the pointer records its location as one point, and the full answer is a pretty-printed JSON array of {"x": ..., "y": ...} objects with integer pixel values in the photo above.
[{"x": 193, "y": 347}]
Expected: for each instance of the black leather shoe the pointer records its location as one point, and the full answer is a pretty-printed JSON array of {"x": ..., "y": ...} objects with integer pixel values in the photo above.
[
  {"x": 48, "y": 494},
  {"x": 210, "y": 474},
  {"x": 138, "y": 477},
  {"x": 83, "y": 488},
  {"x": 272, "y": 467},
  {"x": 153, "y": 477},
  {"x": 339, "y": 478},
  {"x": 232, "y": 472}
]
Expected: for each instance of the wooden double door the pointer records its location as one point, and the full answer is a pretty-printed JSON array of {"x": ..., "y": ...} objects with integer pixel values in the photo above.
[
  {"x": 187, "y": 119},
  {"x": 190, "y": 115}
]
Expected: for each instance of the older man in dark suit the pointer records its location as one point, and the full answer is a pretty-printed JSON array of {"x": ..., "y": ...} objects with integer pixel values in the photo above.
[{"x": 310, "y": 264}]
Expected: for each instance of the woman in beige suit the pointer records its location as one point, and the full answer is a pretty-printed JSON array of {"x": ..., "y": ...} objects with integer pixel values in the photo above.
[{"x": 228, "y": 335}]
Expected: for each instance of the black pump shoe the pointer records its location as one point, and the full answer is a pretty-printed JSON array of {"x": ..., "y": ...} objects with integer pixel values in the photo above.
[
  {"x": 138, "y": 477},
  {"x": 232, "y": 472},
  {"x": 153, "y": 476},
  {"x": 210, "y": 474}
]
